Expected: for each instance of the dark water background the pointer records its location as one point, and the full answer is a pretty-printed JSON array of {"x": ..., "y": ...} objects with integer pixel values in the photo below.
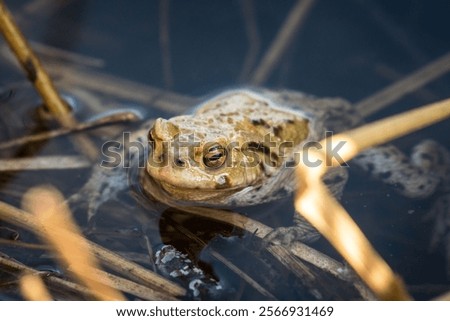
[{"x": 340, "y": 51}]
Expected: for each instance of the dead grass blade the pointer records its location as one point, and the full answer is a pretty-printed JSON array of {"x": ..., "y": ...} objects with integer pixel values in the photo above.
[
  {"x": 60, "y": 231},
  {"x": 104, "y": 121},
  {"x": 72, "y": 77},
  {"x": 167, "y": 101},
  {"x": 32, "y": 66},
  {"x": 254, "y": 40},
  {"x": 244, "y": 276},
  {"x": 33, "y": 288},
  {"x": 111, "y": 260},
  {"x": 282, "y": 41},
  {"x": 25, "y": 245},
  {"x": 385, "y": 130},
  {"x": 40, "y": 79},
  {"x": 72, "y": 57},
  {"x": 326, "y": 214},
  {"x": 53, "y": 281},
  {"x": 133, "y": 288},
  {"x": 300, "y": 250},
  {"x": 247, "y": 278},
  {"x": 408, "y": 84},
  {"x": 43, "y": 163}
]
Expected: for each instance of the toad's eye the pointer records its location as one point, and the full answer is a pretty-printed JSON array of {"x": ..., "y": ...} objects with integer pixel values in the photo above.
[{"x": 214, "y": 156}]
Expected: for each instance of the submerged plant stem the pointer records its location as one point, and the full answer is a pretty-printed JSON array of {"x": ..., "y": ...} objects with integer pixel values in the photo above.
[{"x": 33, "y": 67}]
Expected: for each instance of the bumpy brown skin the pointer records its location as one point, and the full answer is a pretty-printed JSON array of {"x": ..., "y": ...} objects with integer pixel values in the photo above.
[
  {"x": 255, "y": 142},
  {"x": 223, "y": 175},
  {"x": 244, "y": 143}
]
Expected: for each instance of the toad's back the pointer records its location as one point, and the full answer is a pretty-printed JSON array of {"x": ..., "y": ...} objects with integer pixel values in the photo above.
[{"x": 238, "y": 148}]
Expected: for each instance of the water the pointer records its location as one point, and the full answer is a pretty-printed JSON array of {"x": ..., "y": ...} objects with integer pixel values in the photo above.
[{"x": 348, "y": 49}]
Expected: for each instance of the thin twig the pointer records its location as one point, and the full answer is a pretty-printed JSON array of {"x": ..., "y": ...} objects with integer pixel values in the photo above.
[
  {"x": 392, "y": 28},
  {"x": 408, "y": 84},
  {"x": 393, "y": 75},
  {"x": 43, "y": 163},
  {"x": 314, "y": 202},
  {"x": 326, "y": 214},
  {"x": 49, "y": 52},
  {"x": 333, "y": 267},
  {"x": 260, "y": 230},
  {"x": 166, "y": 101},
  {"x": 32, "y": 66},
  {"x": 131, "y": 287},
  {"x": 253, "y": 38},
  {"x": 385, "y": 130},
  {"x": 282, "y": 41},
  {"x": 129, "y": 269},
  {"x": 244, "y": 276},
  {"x": 15, "y": 266},
  {"x": 40, "y": 79},
  {"x": 70, "y": 77},
  {"x": 60, "y": 231},
  {"x": 248, "y": 279},
  {"x": 103, "y": 121},
  {"x": 25, "y": 245}
]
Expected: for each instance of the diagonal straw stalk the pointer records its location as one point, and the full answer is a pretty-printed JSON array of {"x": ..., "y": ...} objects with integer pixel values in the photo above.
[
  {"x": 32, "y": 66},
  {"x": 40, "y": 79},
  {"x": 326, "y": 214}
]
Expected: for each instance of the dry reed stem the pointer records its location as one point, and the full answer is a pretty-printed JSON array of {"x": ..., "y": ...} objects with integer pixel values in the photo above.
[
  {"x": 392, "y": 75},
  {"x": 282, "y": 41},
  {"x": 33, "y": 288},
  {"x": 104, "y": 121},
  {"x": 248, "y": 279},
  {"x": 118, "y": 283},
  {"x": 244, "y": 276},
  {"x": 70, "y": 77},
  {"x": 406, "y": 85},
  {"x": 115, "y": 262},
  {"x": 72, "y": 57},
  {"x": 25, "y": 245},
  {"x": 61, "y": 232},
  {"x": 17, "y": 267},
  {"x": 32, "y": 66},
  {"x": 166, "y": 101},
  {"x": 253, "y": 38},
  {"x": 326, "y": 214},
  {"x": 43, "y": 163},
  {"x": 333, "y": 267},
  {"x": 40, "y": 79},
  {"x": 136, "y": 272},
  {"x": 331, "y": 220},
  {"x": 384, "y": 130},
  {"x": 300, "y": 250},
  {"x": 130, "y": 287}
]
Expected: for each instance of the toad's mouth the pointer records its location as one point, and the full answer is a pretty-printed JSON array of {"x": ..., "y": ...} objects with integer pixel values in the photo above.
[{"x": 162, "y": 190}]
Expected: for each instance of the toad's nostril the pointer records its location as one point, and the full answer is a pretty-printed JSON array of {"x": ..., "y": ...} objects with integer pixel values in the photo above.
[{"x": 179, "y": 162}]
